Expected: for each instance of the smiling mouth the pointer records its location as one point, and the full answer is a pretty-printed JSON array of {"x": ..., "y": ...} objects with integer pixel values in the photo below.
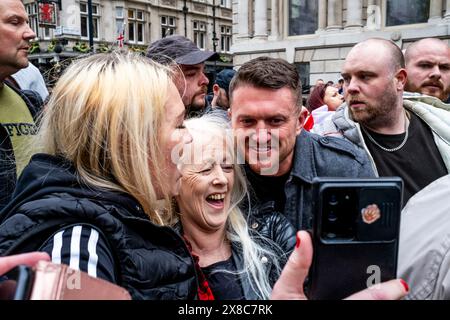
[
  {"x": 261, "y": 149},
  {"x": 216, "y": 200}
]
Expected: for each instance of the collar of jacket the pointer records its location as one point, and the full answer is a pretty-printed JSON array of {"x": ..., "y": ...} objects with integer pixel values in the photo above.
[
  {"x": 238, "y": 262},
  {"x": 431, "y": 110},
  {"x": 346, "y": 125},
  {"x": 307, "y": 144}
]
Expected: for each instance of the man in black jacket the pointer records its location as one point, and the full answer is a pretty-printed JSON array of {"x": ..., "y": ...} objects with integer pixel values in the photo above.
[{"x": 17, "y": 113}]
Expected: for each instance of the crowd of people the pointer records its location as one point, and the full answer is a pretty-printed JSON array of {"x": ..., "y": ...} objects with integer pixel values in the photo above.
[{"x": 131, "y": 174}]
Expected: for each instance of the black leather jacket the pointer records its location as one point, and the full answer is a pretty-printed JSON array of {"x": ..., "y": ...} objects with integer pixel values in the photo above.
[{"x": 266, "y": 223}]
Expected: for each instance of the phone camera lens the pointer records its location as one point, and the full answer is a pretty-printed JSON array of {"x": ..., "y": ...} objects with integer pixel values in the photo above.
[
  {"x": 332, "y": 217},
  {"x": 331, "y": 235},
  {"x": 333, "y": 200}
]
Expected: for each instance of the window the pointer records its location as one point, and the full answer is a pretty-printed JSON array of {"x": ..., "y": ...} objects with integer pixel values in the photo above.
[
  {"x": 32, "y": 16},
  {"x": 303, "y": 17},
  {"x": 225, "y": 3},
  {"x": 119, "y": 12},
  {"x": 136, "y": 25},
  {"x": 200, "y": 34},
  {"x": 85, "y": 20},
  {"x": 120, "y": 25},
  {"x": 225, "y": 38},
  {"x": 407, "y": 12},
  {"x": 32, "y": 11},
  {"x": 303, "y": 70},
  {"x": 167, "y": 26}
]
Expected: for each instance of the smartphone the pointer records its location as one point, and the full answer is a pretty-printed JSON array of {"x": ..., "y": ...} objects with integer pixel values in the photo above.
[
  {"x": 52, "y": 281},
  {"x": 17, "y": 284},
  {"x": 355, "y": 235}
]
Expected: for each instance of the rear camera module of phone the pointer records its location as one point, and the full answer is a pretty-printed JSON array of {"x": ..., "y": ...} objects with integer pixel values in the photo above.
[
  {"x": 332, "y": 217},
  {"x": 331, "y": 235},
  {"x": 333, "y": 200}
]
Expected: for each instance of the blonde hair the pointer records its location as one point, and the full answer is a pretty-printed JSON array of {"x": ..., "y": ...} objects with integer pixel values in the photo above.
[
  {"x": 105, "y": 116},
  {"x": 238, "y": 231}
]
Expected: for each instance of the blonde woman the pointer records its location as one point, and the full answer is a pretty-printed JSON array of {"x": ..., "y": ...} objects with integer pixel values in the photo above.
[
  {"x": 105, "y": 142},
  {"x": 234, "y": 261}
]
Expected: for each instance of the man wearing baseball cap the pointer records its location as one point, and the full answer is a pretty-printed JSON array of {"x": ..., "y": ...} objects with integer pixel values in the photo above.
[
  {"x": 220, "y": 89},
  {"x": 190, "y": 78}
]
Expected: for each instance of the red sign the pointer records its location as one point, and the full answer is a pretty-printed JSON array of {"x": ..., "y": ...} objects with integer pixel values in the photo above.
[
  {"x": 120, "y": 39},
  {"x": 47, "y": 15}
]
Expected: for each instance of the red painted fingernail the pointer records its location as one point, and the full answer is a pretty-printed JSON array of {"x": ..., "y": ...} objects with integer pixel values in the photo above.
[
  {"x": 404, "y": 284},
  {"x": 297, "y": 245}
]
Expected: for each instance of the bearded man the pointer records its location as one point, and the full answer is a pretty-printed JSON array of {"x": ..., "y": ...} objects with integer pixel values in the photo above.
[{"x": 403, "y": 138}]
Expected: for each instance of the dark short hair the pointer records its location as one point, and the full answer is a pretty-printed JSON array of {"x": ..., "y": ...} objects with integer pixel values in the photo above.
[{"x": 269, "y": 73}]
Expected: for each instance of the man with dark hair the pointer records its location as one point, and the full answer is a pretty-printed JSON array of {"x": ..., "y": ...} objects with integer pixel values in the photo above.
[
  {"x": 189, "y": 67},
  {"x": 428, "y": 68},
  {"x": 281, "y": 158},
  {"x": 17, "y": 112},
  {"x": 403, "y": 138}
]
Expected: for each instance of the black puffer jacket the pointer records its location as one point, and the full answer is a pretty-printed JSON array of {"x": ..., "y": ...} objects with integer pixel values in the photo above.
[{"x": 152, "y": 262}]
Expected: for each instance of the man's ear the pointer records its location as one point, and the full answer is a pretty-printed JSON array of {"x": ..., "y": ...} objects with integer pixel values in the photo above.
[
  {"x": 301, "y": 119},
  {"x": 401, "y": 77},
  {"x": 216, "y": 89}
]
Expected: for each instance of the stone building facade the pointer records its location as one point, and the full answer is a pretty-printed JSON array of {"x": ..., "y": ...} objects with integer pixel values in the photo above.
[
  {"x": 135, "y": 23},
  {"x": 316, "y": 35}
]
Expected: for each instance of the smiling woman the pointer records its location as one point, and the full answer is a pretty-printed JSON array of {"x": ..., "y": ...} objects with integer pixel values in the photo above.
[{"x": 235, "y": 261}]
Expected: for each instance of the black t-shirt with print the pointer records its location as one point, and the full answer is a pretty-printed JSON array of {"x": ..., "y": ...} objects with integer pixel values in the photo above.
[{"x": 418, "y": 162}]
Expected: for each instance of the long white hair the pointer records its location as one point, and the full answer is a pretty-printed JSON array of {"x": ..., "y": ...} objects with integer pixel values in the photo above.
[{"x": 254, "y": 253}]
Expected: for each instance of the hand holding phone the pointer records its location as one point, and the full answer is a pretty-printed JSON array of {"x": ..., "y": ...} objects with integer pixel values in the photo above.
[
  {"x": 50, "y": 281},
  {"x": 290, "y": 284},
  {"x": 17, "y": 267}
]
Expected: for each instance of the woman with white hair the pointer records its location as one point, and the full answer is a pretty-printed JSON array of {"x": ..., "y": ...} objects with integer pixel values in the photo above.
[{"x": 235, "y": 260}]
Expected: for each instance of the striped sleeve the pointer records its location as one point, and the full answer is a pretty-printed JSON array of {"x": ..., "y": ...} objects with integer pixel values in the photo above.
[{"x": 82, "y": 248}]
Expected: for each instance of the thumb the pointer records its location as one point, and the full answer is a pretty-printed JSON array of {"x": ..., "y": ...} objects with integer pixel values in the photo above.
[
  {"x": 290, "y": 284},
  {"x": 29, "y": 259}
]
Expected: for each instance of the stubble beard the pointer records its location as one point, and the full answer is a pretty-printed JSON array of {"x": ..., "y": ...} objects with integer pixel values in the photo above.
[{"x": 379, "y": 114}]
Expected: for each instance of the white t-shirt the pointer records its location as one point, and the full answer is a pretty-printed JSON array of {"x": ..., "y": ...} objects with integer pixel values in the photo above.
[{"x": 30, "y": 78}]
